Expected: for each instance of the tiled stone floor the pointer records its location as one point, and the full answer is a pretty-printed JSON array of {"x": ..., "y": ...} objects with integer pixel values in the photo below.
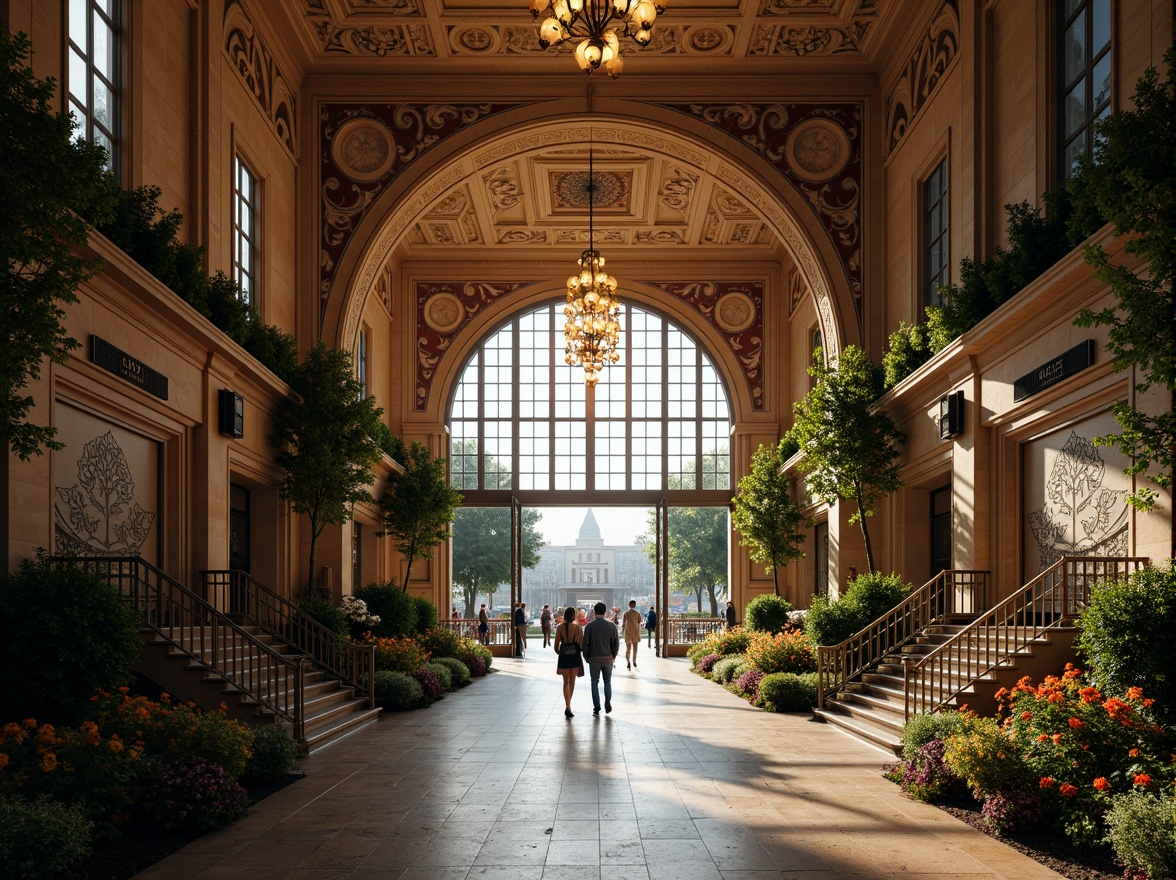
[{"x": 683, "y": 781}]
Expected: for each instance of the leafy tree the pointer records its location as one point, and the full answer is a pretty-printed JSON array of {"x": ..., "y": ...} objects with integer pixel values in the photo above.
[
  {"x": 417, "y": 510},
  {"x": 1130, "y": 182},
  {"x": 768, "y": 521},
  {"x": 850, "y": 448},
  {"x": 481, "y": 550},
  {"x": 323, "y": 437},
  {"x": 47, "y": 179}
]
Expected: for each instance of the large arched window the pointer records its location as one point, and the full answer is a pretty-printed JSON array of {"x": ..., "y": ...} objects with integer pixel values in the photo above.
[{"x": 522, "y": 420}]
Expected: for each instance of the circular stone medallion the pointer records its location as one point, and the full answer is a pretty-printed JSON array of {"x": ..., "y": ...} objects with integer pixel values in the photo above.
[
  {"x": 735, "y": 311},
  {"x": 363, "y": 150},
  {"x": 444, "y": 312},
  {"x": 817, "y": 150}
]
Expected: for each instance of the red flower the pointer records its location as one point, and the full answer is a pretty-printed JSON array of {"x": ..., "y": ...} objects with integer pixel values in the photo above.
[
  {"x": 1057, "y": 738},
  {"x": 1142, "y": 780},
  {"x": 1026, "y": 715},
  {"x": 1101, "y": 783},
  {"x": 1042, "y": 737},
  {"x": 1075, "y": 723},
  {"x": 1046, "y": 782},
  {"x": 1067, "y": 790}
]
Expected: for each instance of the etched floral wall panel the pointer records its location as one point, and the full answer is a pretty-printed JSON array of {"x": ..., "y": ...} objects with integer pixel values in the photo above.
[
  {"x": 106, "y": 489},
  {"x": 1074, "y": 496}
]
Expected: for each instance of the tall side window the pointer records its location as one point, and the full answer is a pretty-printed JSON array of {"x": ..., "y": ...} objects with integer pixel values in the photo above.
[
  {"x": 93, "y": 73},
  {"x": 1084, "y": 76},
  {"x": 934, "y": 198},
  {"x": 361, "y": 363},
  {"x": 246, "y": 207}
]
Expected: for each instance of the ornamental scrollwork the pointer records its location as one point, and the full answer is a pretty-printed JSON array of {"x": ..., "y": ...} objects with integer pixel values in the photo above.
[
  {"x": 923, "y": 72},
  {"x": 259, "y": 73}
]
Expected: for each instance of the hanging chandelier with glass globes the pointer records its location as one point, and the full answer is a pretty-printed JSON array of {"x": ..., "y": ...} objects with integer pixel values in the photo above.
[
  {"x": 595, "y": 24},
  {"x": 592, "y": 325}
]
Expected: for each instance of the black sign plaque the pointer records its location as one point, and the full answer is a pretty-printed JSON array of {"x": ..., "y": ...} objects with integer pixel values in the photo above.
[
  {"x": 1052, "y": 372},
  {"x": 117, "y": 361}
]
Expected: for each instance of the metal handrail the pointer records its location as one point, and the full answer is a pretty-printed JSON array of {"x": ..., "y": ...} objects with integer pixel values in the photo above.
[
  {"x": 1051, "y": 600},
  {"x": 238, "y": 592},
  {"x": 501, "y": 630},
  {"x": 953, "y": 591},
  {"x": 206, "y": 635},
  {"x": 692, "y": 630}
]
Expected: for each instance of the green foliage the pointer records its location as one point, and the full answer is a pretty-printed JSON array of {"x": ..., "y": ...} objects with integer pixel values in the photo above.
[
  {"x": 767, "y": 519},
  {"x": 1128, "y": 633},
  {"x": 64, "y": 634},
  {"x": 781, "y": 652},
  {"x": 443, "y": 672},
  {"x": 923, "y": 728},
  {"x": 323, "y": 436},
  {"x": 426, "y": 615},
  {"x": 399, "y": 654},
  {"x": 724, "y": 670},
  {"x": 390, "y": 444},
  {"x": 698, "y": 539},
  {"x": 767, "y": 613},
  {"x": 458, "y": 671},
  {"x": 47, "y": 180},
  {"x": 417, "y": 510},
  {"x": 481, "y": 549},
  {"x": 984, "y": 756},
  {"x": 1130, "y": 182},
  {"x": 325, "y": 612},
  {"x": 273, "y": 755},
  {"x": 397, "y": 691},
  {"x": 787, "y": 692},
  {"x": 868, "y": 597},
  {"x": 477, "y": 658},
  {"x": 723, "y": 643},
  {"x": 850, "y": 448},
  {"x": 440, "y": 641},
  {"x": 1140, "y": 829},
  {"x": 41, "y": 838},
  {"x": 831, "y": 621},
  {"x": 396, "y": 609},
  {"x": 912, "y": 345}
]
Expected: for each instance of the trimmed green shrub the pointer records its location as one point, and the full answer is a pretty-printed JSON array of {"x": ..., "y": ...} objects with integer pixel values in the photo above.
[
  {"x": 922, "y": 729},
  {"x": 444, "y": 674},
  {"x": 324, "y": 611},
  {"x": 440, "y": 641},
  {"x": 1140, "y": 829},
  {"x": 875, "y": 593},
  {"x": 477, "y": 657},
  {"x": 766, "y": 613},
  {"x": 830, "y": 621},
  {"x": 426, "y": 615},
  {"x": 725, "y": 643},
  {"x": 397, "y": 609},
  {"x": 396, "y": 691},
  {"x": 723, "y": 671},
  {"x": 1128, "y": 632},
  {"x": 65, "y": 634},
  {"x": 274, "y": 753},
  {"x": 459, "y": 672},
  {"x": 787, "y": 692},
  {"x": 41, "y": 838},
  {"x": 983, "y": 755}
]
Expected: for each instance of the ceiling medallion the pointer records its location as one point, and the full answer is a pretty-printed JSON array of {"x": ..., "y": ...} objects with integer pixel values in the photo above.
[
  {"x": 817, "y": 150},
  {"x": 592, "y": 326},
  {"x": 594, "y": 23},
  {"x": 363, "y": 149},
  {"x": 735, "y": 311},
  {"x": 444, "y": 312}
]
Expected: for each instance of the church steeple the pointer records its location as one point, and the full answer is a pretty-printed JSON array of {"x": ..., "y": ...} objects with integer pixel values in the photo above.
[{"x": 589, "y": 532}]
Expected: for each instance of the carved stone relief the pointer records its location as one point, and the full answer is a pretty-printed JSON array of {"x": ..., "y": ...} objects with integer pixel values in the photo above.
[
  {"x": 260, "y": 74},
  {"x": 922, "y": 73}
]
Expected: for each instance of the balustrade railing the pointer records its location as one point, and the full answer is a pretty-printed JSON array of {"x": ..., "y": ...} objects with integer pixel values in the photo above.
[
  {"x": 238, "y": 592},
  {"x": 949, "y": 592},
  {"x": 501, "y": 630},
  {"x": 206, "y": 635},
  {"x": 692, "y": 630},
  {"x": 1050, "y": 600}
]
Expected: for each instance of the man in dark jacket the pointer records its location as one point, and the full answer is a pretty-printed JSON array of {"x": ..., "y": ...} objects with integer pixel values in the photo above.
[
  {"x": 545, "y": 623},
  {"x": 601, "y": 645},
  {"x": 651, "y": 628},
  {"x": 520, "y": 625},
  {"x": 730, "y": 615}
]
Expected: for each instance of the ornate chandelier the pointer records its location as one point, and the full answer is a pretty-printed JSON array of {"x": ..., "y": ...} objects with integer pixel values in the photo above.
[
  {"x": 595, "y": 23},
  {"x": 592, "y": 327}
]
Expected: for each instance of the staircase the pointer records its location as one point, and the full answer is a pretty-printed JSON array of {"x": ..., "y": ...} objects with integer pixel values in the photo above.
[
  {"x": 196, "y": 651},
  {"x": 943, "y": 647}
]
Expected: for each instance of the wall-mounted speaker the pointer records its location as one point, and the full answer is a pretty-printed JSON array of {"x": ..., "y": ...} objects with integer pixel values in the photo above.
[
  {"x": 232, "y": 413},
  {"x": 951, "y": 414}
]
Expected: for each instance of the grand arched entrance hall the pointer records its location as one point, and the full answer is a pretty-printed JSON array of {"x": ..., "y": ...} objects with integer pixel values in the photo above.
[{"x": 494, "y": 782}]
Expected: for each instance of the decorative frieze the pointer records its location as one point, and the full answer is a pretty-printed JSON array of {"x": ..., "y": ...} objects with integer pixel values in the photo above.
[
  {"x": 259, "y": 73},
  {"x": 926, "y": 67}
]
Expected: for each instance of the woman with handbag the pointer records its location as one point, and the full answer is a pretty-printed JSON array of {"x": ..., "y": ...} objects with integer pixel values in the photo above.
[{"x": 569, "y": 636}]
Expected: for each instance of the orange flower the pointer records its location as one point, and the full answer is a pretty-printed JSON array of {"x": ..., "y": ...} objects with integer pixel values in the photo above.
[
  {"x": 1057, "y": 738},
  {"x": 1075, "y": 723},
  {"x": 1101, "y": 783},
  {"x": 1056, "y": 697},
  {"x": 3, "y": 760},
  {"x": 89, "y": 732},
  {"x": 1090, "y": 695},
  {"x": 1002, "y": 693},
  {"x": 1042, "y": 737},
  {"x": 49, "y": 762},
  {"x": 116, "y": 746},
  {"x": 1133, "y": 753},
  {"x": 1046, "y": 782},
  {"x": 1026, "y": 715},
  {"x": 29, "y": 723},
  {"x": 1142, "y": 780},
  {"x": 1134, "y": 693},
  {"x": 1067, "y": 790}
]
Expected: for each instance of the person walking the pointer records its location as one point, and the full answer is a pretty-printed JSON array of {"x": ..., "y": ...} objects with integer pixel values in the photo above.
[
  {"x": 631, "y": 623},
  {"x": 600, "y": 647},
  {"x": 730, "y": 615},
  {"x": 545, "y": 623},
  {"x": 520, "y": 627},
  {"x": 569, "y": 664},
  {"x": 483, "y": 625},
  {"x": 651, "y": 628}
]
